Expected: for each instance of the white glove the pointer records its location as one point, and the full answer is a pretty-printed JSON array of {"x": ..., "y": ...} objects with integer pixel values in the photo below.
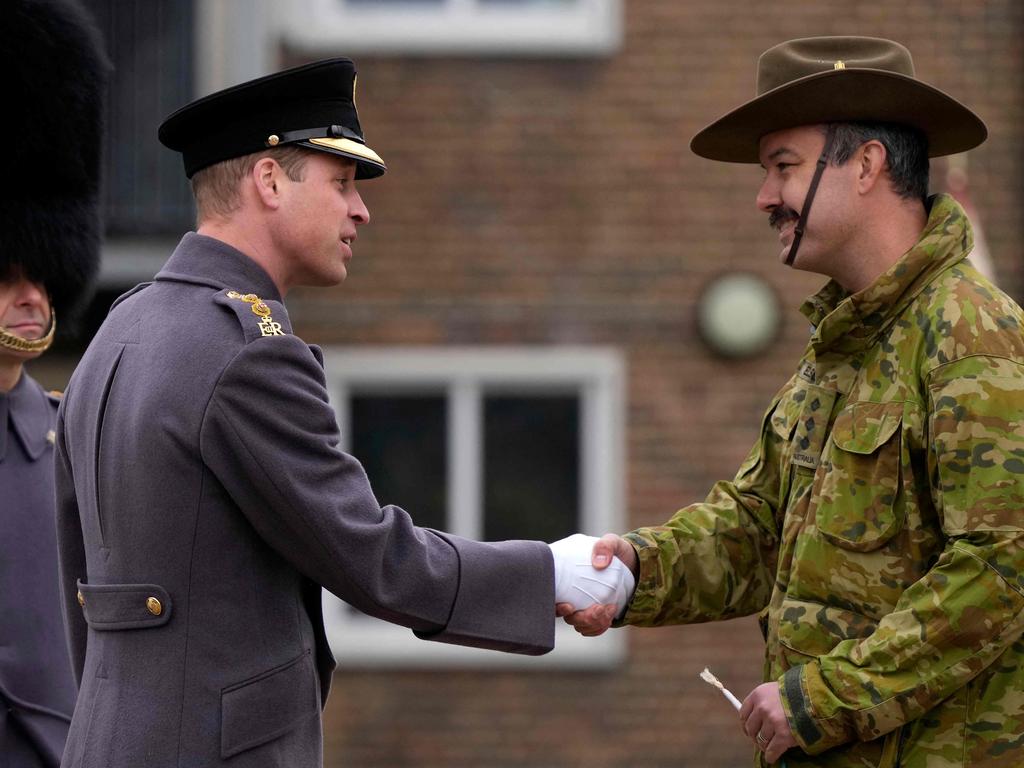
[{"x": 581, "y": 585}]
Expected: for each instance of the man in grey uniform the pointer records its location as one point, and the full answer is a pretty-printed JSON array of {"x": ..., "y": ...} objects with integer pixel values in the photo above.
[
  {"x": 202, "y": 497},
  {"x": 53, "y": 67}
]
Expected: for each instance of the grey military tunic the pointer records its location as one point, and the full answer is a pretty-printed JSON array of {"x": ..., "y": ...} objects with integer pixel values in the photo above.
[
  {"x": 203, "y": 500},
  {"x": 37, "y": 690}
]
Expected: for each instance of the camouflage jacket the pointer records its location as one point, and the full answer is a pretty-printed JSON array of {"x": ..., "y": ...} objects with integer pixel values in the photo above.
[{"x": 877, "y": 526}]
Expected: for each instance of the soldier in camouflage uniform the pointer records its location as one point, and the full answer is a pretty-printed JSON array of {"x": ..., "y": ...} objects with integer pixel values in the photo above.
[{"x": 876, "y": 526}]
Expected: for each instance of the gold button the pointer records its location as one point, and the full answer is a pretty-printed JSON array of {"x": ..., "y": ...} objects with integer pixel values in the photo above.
[
  {"x": 273, "y": 140},
  {"x": 81, "y": 598},
  {"x": 153, "y": 606}
]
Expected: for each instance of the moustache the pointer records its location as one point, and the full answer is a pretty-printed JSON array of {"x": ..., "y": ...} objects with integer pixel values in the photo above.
[{"x": 780, "y": 216}]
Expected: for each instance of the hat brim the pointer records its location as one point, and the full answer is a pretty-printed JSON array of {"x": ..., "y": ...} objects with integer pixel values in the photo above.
[
  {"x": 369, "y": 164},
  {"x": 847, "y": 95}
]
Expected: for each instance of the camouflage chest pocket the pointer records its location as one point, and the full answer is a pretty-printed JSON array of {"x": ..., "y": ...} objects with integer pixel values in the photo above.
[{"x": 858, "y": 486}]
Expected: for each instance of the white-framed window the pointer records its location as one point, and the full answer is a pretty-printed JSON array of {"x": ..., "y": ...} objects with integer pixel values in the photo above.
[
  {"x": 486, "y": 443},
  {"x": 481, "y": 27}
]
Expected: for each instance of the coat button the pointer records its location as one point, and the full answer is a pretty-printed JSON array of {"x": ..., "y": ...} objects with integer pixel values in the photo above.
[
  {"x": 153, "y": 606},
  {"x": 81, "y": 598}
]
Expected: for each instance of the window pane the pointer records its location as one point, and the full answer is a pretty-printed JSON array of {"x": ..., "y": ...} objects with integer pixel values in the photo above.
[
  {"x": 400, "y": 441},
  {"x": 151, "y": 47},
  {"x": 531, "y": 467}
]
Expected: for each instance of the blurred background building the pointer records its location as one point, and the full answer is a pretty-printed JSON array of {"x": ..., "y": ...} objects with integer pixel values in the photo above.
[{"x": 518, "y": 349}]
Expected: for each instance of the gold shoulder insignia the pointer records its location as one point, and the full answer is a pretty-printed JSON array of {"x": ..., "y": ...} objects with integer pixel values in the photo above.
[{"x": 267, "y": 325}]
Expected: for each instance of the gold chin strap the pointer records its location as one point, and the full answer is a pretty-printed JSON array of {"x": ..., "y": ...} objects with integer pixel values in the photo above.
[{"x": 10, "y": 340}]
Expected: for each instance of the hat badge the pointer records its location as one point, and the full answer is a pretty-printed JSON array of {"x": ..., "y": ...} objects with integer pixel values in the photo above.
[{"x": 840, "y": 64}]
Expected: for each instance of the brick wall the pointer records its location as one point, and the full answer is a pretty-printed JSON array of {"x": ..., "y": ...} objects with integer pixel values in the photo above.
[{"x": 555, "y": 201}]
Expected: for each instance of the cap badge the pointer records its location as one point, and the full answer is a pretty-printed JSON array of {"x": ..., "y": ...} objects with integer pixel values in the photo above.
[{"x": 840, "y": 64}]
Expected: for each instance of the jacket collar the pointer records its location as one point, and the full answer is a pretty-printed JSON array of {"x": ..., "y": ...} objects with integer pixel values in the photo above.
[
  {"x": 847, "y": 322},
  {"x": 30, "y": 414},
  {"x": 207, "y": 261}
]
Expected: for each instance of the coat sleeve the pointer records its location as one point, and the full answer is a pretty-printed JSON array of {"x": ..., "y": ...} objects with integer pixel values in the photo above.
[
  {"x": 71, "y": 549},
  {"x": 716, "y": 559},
  {"x": 969, "y": 606},
  {"x": 271, "y": 439}
]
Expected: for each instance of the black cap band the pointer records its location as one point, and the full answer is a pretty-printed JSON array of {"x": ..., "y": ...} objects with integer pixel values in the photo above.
[{"x": 299, "y": 105}]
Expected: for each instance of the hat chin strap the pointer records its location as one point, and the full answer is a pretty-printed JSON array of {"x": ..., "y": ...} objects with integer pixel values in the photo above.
[
  {"x": 18, "y": 343},
  {"x": 798, "y": 232}
]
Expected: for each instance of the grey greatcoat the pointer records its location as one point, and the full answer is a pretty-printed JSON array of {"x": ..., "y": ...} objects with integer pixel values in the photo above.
[
  {"x": 203, "y": 500},
  {"x": 37, "y": 691}
]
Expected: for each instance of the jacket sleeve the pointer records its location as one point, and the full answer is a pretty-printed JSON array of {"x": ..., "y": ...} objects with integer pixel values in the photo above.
[
  {"x": 71, "y": 550},
  {"x": 716, "y": 559},
  {"x": 271, "y": 439},
  {"x": 969, "y": 606}
]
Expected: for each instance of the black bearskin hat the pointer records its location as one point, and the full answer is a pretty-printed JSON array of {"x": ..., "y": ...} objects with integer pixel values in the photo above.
[{"x": 54, "y": 73}]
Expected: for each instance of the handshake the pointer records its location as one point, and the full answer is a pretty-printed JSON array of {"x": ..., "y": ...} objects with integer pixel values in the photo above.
[{"x": 581, "y": 585}]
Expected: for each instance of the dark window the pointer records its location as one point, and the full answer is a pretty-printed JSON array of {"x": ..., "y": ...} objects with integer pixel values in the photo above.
[
  {"x": 530, "y": 464},
  {"x": 150, "y": 43},
  {"x": 400, "y": 441},
  {"x": 531, "y": 467}
]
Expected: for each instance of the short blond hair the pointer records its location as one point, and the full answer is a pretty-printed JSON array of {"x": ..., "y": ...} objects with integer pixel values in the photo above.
[{"x": 215, "y": 187}]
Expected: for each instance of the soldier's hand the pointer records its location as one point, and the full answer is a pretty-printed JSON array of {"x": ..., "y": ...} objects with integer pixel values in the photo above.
[
  {"x": 591, "y": 622},
  {"x": 609, "y": 546},
  {"x": 765, "y": 723}
]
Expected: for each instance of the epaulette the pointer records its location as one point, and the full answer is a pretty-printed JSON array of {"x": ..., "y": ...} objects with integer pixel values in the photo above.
[{"x": 258, "y": 317}]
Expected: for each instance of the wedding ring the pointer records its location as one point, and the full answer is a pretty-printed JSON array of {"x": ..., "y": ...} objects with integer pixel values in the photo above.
[{"x": 761, "y": 740}]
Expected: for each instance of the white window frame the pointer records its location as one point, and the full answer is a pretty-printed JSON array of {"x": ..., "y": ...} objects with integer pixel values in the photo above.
[
  {"x": 585, "y": 28},
  {"x": 597, "y": 375}
]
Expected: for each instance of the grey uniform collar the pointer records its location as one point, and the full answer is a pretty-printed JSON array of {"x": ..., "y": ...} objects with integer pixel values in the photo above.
[
  {"x": 207, "y": 261},
  {"x": 30, "y": 413}
]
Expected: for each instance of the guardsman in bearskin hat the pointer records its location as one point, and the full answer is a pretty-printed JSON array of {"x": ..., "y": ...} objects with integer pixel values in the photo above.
[
  {"x": 54, "y": 71},
  {"x": 202, "y": 498},
  {"x": 876, "y": 526}
]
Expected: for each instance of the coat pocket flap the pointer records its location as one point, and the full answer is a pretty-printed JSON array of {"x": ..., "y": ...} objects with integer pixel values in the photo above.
[
  {"x": 267, "y": 706},
  {"x": 864, "y": 427}
]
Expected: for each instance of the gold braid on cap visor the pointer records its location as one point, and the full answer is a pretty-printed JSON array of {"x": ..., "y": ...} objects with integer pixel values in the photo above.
[{"x": 10, "y": 340}]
